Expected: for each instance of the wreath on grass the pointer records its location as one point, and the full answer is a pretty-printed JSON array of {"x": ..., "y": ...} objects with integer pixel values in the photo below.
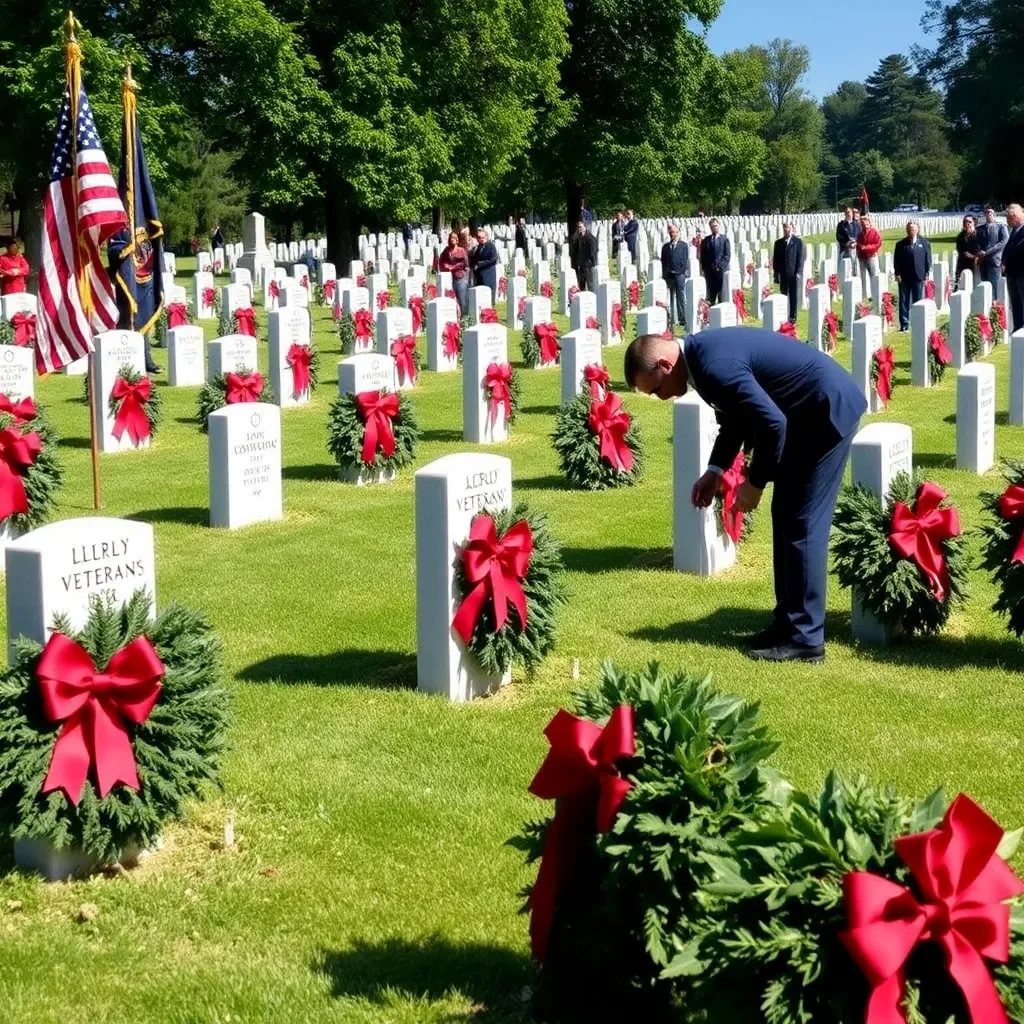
[
  {"x": 905, "y": 558},
  {"x": 977, "y": 330},
  {"x": 350, "y": 325},
  {"x": 407, "y": 359},
  {"x": 997, "y": 320},
  {"x": 863, "y": 309},
  {"x": 177, "y": 748},
  {"x": 135, "y": 404},
  {"x": 506, "y": 390},
  {"x": 1003, "y": 549},
  {"x": 304, "y": 363},
  {"x": 882, "y": 363},
  {"x": 540, "y": 345},
  {"x": 516, "y": 625},
  {"x": 21, "y": 330},
  {"x": 372, "y": 431},
  {"x": 829, "y": 331},
  {"x": 239, "y": 321},
  {"x": 178, "y": 312},
  {"x": 939, "y": 353},
  {"x": 30, "y": 471},
  {"x": 244, "y": 385},
  {"x": 211, "y": 298},
  {"x": 598, "y": 443}
]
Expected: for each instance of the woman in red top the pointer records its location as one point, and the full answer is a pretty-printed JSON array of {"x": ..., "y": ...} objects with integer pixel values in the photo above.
[
  {"x": 454, "y": 260},
  {"x": 14, "y": 270},
  {"x": 868, "y": 243}
]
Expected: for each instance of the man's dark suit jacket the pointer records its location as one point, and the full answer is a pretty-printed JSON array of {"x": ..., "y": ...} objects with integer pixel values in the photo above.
[
  {"x": 629, "y": 235},
  {"x": 1013, "y": 253},
  {"x": 847, "y": 232},
  {"x": 788, "y": 259},
  {"x": 484, "y": 261},
  {"x": 521, "y": 237},
  {"x": 582, "y": 255},
  {"x": 912, "y": 263},
  {"x": 675, "y": 262},
  {"x": 770, "y": 394},
  {"x": 992, "y": 238},
  {"x": 715, "y": 253}
]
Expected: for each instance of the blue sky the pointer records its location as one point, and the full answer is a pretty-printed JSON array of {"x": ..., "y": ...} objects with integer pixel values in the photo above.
[{"x": 845, "y": 40}]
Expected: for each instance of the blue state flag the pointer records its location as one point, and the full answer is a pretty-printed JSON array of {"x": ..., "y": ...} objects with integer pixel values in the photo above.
[{"x": 137, "y": 254}]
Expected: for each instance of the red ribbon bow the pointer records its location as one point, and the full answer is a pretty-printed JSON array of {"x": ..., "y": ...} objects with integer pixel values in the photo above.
[
  {"x": 495, "y": 569},
  {"x": 750, "y": 270},
  {"x": 18, "y": 452},
  {"x": 546, "y": 289},
  {"x": 403, "y": 350},
  {"x": 616, "y": 318},
  {"x": 242, "y": 387},
  {"x": 431, "y": 291},
  {"x": 1011, "y": 508},
  {"x": 245, "y": 319},
  {"x": 416, "y": 308},
  {"x": 984, "y": 326},
  {"x": 209, "y": 296},
  {"x": 177, "y": 315},
  {"x": 918, "y": 534},
  {"x": 964, "y": 884},
  {"x": 521, "y": 307},
  {"x": 809, "y": 286},
  {"x": 22, "y": 411},
  {"x": 597, "y": 379},
  {"x": 593, "y": 324},
  {"x": 888, "y": 310},
  {"x": 329, "y": 286},
  {"x": 363, "y": 320},
  {"x": 498, "y": 385},
  {"x": 452, "y": 339},
  {"x": 582, "y": 772},
  {"x": 883, "y": 359},
  {"x": 573, "y": 292},
  {"x": 832, "y": 324},
  {"x": 929, "y": 289},
  {"x": 377, "y": 411},
  {"x": 131, "y": 414},
  {"x": 740, "y": 302},
  {"x": 937, "y": 343},
  {"x": 502, "y": 288},
  {"x": 274, "y": 290},
  {"x": 732, "y": 517},
  {"x": 489, "y": 315},
  {"x": 299, "y": 358},
  {"x": 383, "y": 298},
  {"x": 610, "y": 421},
  {"x": 24, "y": 325},
  {"x": 999, "y": 310},
  {"x": 95, "y": 708},
  {"x": 789, "y": 330},
  {"x": 546, "y": 335},
  {"x": 634, "y": 294},
  {"x": 833, "y": 283},
  {"x": 360, "y": 280}
]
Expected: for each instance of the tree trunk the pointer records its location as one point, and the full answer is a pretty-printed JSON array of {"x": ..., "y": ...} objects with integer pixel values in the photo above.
[
  {"x": 30, "y": 228},
  {"x": 341, "y": 221},
  {"x": 573, "y": 204},
  {"x": 437, "y": 220}
]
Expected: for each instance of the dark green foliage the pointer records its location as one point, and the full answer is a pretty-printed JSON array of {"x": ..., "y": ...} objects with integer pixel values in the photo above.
[
  {"x": 937, "y": 370},
  {"x": 213, "y": 396},
  {"x": 892, "y": 588},
  {"x": 44, "y": 477},
  {"x": 498, "y": 651},
  {"x": 972, "y": 338},
  {"x": 1001, "y": 537},
  {"x": 530, "y": 348},
  {"x": 345, "y": 428},
  {"x": 153, "y": 408},
  {"x": 579, "y": 449},
  {"x": 178, "y": 749},
  {"x": 347, "y": 333},
  {"x": 6, "y": 332}
]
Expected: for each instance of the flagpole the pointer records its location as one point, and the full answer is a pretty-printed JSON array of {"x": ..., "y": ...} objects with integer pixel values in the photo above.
[
  {"x": 73, "y": 59},
  {"x": 128, "y": 105}
]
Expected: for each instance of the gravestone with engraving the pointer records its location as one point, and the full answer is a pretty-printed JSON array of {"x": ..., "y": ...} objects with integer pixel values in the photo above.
[
  {"x": 287, "y": 327},
  {"x": 17, "y": 372},
  {"x": 867, "y": 339},
  {"x": 245, "y": 465},
  {"x": 538, "y": 311},
  {"x": 1016, "y": 415},
  {"x": 186, "y": 363},
  {"x": 922, "y": 323},
  {"x": 694, "y": 292},
  {"x": 580, "y": 348},
  {"x": 483, "y": 345},
  {"x": 368, "y": 371},
  {"x": 722, "y": 314},
  {"x": 774, "y": 312},
  {"x": 479, "y": 300},
  {"x": 651, "y": 320},
  {"x": 440, "y": 313},
  {"x": 230, "y": 354},
  {"x": 203, "y": 287},
  {"x": 583, "y": 309},
  {"x": 113, "y": 351},
  {"x": 976, "y": 417},
  {"x": 609, "y": 295}
]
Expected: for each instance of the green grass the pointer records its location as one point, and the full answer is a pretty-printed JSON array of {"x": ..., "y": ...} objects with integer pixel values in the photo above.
[{"x": 370, "y": 881}]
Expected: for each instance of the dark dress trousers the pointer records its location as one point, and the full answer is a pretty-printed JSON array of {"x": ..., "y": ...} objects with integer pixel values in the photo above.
[
  {"x": 715, "y": 252},
  {"x": 911, "y": 263},
  {"x": 798, "y": 409},
  {"x": 521, "y": 238},
  {"x": 675, "y": 269},
  {"x": 583, "y": 257},
  {"x": 1013, "y": 271},
  {"x": 788, "y": 266},
  {"x": 630, "y": 231},
  {"x": 484, "y": 260},
  {"x": 967, "y": 246}
]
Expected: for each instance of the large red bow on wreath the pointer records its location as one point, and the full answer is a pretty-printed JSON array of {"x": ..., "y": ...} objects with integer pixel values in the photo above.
[
  {"x": 582, "y": 772},
  {"x": 740, "y": 302},
  {"x": 546, "y": 336},
  {"x": 937, "y": 343},
  {"x": 597, "y": 379},
  {"x": 918, "y": 534},
  {"x": 732, "y": 517},
  {"x": 416, "y": 308},
  {"x": 616, "y": 326},
  {"x": 634, "y": 294},
  {"x": 177, "y": 315},
  {"x": 431, "y": 291},
  {"x": 498, "y": 385},
  {"x": 22, "y": 411},
  {"x": 547, "y": 289},
  {"x": 489, "y": 315},
  {"x": 245, "y": 319},
  {"x": 383, "y": 298},
  {"x": 984, "y": 326},
  {"x": 964, "y": 884},
  {"x": 593, "y": 324},
  {"x": 832, "y": 325},
  {"x": 298, "y": 358},
  {"x": 452, "y": 339},
  {"x": 24, "y": 325},
  {"x": 363, "y": 320},
  {"x": 929, "y": 289},
  {"x": 883, "y": 360},
  {"x": 329, "y": 287},
  {"x": 1011, "y": 508},
  {"x": 833, "y": 284},
  {"x": 243, "y": 387},
  {"x": 403, "y": 350},
  {"x": 377, "y": 411},
  {"x": 495, "y": 568},
  {"x": 611, "y": 423},
  {"x": 999, "y": 312},
  {"x": 18, "y": 452},
  {"x": 131, "y": 414},
  {"x": 274, "y": 291},
  {"x": 360, "y": 280},
  {"x": 789, "y": 330},
  {"x": 209, "y": 297},
  {"x": 888, "y": 309},
  {"x": 502, "y": 288},
  {"x": 521, "y": 307},
  {"x": 95, "y": 708}
]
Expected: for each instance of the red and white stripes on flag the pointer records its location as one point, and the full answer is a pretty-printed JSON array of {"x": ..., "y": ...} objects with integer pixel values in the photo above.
[{"x": 81, "y": 211}]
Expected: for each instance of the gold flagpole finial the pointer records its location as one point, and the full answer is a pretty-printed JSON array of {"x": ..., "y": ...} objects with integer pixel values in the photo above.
[
  {"x": 71, "y": 27},
  {"x": 129, "y": 82}
]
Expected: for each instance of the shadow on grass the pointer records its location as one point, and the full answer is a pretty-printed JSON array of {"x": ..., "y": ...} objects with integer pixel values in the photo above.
[
  {"x": 320, "y": 472},
  {"x": 382, "y": 670},
  {"x": 183, "y": 515},
  {"x": 540, "y": 410},
  {"x": 613, "y": 559},
  {"x": 935, "y": 460},
  {"x": 189, "y": 421},
  {"x": 444, "y": 436},
  {"x": 74, "y": 442},
  {"x": 546, "y": 483},
  {"x": 490, "y": 977}
]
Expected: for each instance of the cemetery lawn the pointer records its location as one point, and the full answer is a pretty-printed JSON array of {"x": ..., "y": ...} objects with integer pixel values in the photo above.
[{"x": 369, "y": 880}]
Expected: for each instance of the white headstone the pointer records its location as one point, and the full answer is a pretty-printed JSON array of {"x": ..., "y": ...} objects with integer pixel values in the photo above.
[
  {"x": 368, "y": 371},
  {"x": 186, "y": 362},
  {"x": 202, "y": 283},
  {"x": 819, "y": 305},
  {"x": 722, "y": 314},
  {"x": 976, "y": 417},
  {"x": 609, "y": 295},
  {"x": 230, "y": 354},
  {"x": 538, "y": 311},
  {"x": 851, "y": 300},
  {"x": 922, "y": 323},
  {"x": 940, "y": 273},
  {"x": 516, "y": 291},
  {"x": 482, "y": 345},
  {"x": 114, "y": 350},
  {"x": 479, "y": 300},
  {"x": 774, "y": 312},
  {"x": 867, "y": 339},
  {"x": 235, "y": 296},
  {"x": 966, "y": 282},
  {"x": 440, "y": 313},
  {"x": 245, "y": 465},
  {"x": 580, "y": 348},
  {"x": 17, "y": 372},
  {"x": 449, "y": 493},
  {"x": 651, "y": 320},
  {"x": 240, "y": 276},
  {"x": 19, "y": 302},
  {"x": 354, "y": 299},
  {"x": 693, "y": 294},
  {"x": 566, "y": 282},
  {"x": 959, "y": 304},
  {"x": 584, "y": 308},
  {"x": 287, "y": 327},
  {"x": 1016, "y": 417}
]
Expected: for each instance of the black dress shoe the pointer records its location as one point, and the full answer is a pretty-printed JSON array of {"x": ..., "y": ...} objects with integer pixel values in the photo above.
[
  {"x": 154, "y": 369},
  {"x": 769, "y": 637},
  {"x": 788, "y": 652}
]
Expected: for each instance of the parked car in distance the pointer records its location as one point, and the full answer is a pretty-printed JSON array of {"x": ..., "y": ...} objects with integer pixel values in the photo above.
[
  {"x": 974, "y": 208},
  {"x": 905, "y": 208}
]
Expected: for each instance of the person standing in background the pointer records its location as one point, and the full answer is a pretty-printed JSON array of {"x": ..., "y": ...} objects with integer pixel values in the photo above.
[
  {"x": 617, "y": 225},
  {"x": 484, "y": 261},
  {"x": 454, "y": 260},
  {"x": 675, "y": 269},
  {"x": 715, "y": 253},
  {"x": 912, "y": 262},
  {"x": 847, "y": 232},
  {"x": 14, "y": 270},
  {"x": 630, "y": 234},
  {"x": 217, "y": 238},
  {"x": 868, "y": 243},
  {"x": 968, "y": 246},
  {"x": 582, "y": 255},
  {"x": 788, "y": 267},
  {"x": 1013, "y": 263},
  {"x": 991, "y": 239},
  {"x": 521, "y": 235}
]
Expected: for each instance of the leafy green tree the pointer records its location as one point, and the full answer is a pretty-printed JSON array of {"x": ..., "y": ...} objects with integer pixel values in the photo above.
[{"x": 842, "y": 112}]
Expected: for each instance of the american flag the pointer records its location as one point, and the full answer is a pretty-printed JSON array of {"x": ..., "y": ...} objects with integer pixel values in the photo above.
[{"x": 81, "y": 210}]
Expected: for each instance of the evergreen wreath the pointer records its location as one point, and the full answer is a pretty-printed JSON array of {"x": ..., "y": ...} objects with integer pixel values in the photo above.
[
  {"x": 345, "y": 430},
  {"x": 972, "y": 338},
  {"x": 347, "y": 333},
  {"x": 515, "y": 395},
  {"x": 579, "y": 449},
  {"x": 997, "y": 320},
  {"x": 153, "y": 407},
  {"x": 889, "y": 586},
  {"x": 213, "y": 396},
  {"x": 1002, "y": 540},
  {"x": 216, "y": 302},
  {"x": 937, "y": 368},
  {"x": 228, "y": 324},
  {"x": 6, "y": 332},
  {"x": 44, "y": 477},
  {"x": 746, "y": 518},
  {"x": 531, "y": 348},
  {"x": 829, "y": 331},
  {"x": 876, "y": 371},
  {"x": 164, "y": 320},
  {"x": 178, "y": 749},
  {"x": 314, "y": 367},
  {"x": 497, "y": 651}
]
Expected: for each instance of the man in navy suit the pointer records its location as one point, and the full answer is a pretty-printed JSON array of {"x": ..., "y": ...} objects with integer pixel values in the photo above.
[
  {"x": 675, "y": 269},
  {"x": 911, "y": 263},
  {"x": 788, "y": 267},
  {"x": 715, "y": 253},
  {"x": 630, "y": 232},
  {"x": 1013, "y": 263},
  {"x": 991, "y": 239},
  {"x": 798, "y": 409},
  {"x": 484, "y": 261}
]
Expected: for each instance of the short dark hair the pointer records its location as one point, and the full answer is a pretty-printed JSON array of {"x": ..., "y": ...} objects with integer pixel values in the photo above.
[{"x": 641, "y": 357}]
